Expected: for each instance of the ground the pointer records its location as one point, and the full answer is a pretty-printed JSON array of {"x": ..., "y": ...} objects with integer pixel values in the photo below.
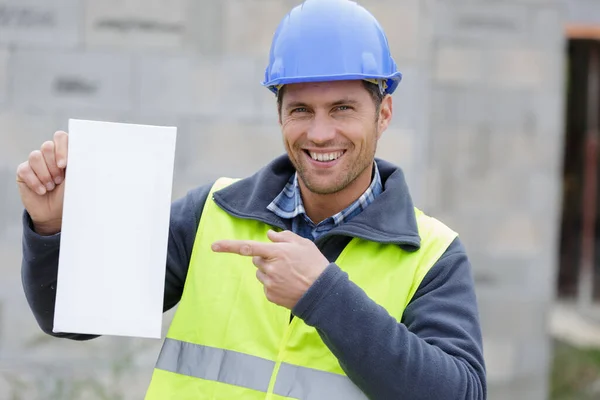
[{"x": 575, "y": 373}]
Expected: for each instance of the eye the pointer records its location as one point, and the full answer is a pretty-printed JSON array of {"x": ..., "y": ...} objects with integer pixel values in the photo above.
[
  {"x": 298, "y": 110},
  {"x": 343, "y": 108}
]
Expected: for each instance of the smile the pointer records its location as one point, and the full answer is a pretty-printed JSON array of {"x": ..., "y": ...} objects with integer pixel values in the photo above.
[{"x": 325, "y": 157}]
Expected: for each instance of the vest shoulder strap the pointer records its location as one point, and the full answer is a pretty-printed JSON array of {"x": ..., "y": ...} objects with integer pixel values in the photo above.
[{"x": 436, "y": 237}]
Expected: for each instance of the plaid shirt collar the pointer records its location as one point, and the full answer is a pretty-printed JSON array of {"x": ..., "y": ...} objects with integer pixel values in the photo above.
[{"x": 288, "y": 205}]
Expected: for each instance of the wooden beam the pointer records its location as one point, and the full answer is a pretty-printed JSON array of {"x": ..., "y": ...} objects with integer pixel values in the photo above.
[{"x": 579, "y": 31}]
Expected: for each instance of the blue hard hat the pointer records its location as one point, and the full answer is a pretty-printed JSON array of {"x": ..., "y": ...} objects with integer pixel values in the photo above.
[{"x": 330, "y": 40}]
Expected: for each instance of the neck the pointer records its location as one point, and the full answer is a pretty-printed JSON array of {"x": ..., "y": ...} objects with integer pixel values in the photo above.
[{"x": 322, "y": 206}]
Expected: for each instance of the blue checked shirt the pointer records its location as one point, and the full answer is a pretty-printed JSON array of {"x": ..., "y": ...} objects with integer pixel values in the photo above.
[{"x": 288, "y": 205}]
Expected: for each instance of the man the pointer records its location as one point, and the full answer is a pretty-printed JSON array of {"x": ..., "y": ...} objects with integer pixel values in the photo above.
[{"x": 316, "y": 277}]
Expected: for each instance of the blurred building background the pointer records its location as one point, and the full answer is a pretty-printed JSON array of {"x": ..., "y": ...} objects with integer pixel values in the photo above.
[{"x": 494, "y": 126}]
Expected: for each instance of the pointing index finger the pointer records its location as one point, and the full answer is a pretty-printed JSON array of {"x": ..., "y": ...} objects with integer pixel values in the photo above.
[{"x": 244, "y": 248}]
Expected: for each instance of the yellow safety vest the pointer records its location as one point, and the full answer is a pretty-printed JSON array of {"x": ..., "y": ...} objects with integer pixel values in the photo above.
[{"x": 227, "y": 341}]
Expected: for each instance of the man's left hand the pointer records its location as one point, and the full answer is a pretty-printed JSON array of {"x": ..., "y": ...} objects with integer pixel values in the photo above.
[{"x": 287, "y": 267}]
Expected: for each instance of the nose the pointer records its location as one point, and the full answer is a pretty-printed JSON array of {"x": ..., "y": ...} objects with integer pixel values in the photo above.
[{"x": 321, "y": 130}]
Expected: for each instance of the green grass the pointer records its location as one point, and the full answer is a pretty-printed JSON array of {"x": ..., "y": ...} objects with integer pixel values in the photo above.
[{"x": 575, "y": 373}]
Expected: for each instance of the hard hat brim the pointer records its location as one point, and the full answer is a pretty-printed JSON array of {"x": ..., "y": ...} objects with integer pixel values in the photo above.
[{"x": 392, "y": 80}]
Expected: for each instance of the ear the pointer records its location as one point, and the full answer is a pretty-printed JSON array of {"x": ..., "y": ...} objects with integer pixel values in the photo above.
[{"x": 385, "y": 115}]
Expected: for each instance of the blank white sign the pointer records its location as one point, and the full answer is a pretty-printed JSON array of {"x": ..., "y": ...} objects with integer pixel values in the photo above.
[{"x": 115, "y": 229}]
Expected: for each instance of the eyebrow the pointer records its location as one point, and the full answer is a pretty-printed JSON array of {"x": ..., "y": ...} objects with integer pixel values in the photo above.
[{"x": 343, "y": 101}]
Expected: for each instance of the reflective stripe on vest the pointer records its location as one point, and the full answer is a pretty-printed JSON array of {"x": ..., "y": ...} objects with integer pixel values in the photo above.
[
  {"x": 253, "y": 372},
  {"x": 215, "y": 364},
  {"x": 311, "y": 384},
  {"x": 227, "y": 341}
]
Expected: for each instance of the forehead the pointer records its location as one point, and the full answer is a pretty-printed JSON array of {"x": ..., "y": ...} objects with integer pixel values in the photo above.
[{"x": 325, "y": 91}]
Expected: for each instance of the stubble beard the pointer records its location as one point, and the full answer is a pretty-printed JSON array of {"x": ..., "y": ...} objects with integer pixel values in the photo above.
[{"x": 352, "y": 170}]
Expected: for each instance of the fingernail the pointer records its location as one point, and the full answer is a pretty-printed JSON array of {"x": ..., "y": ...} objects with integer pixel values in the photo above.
[
  {"x": 42, "y": 190},
  {"x": 216, "y": 247},
  {"x": 60, "y": 163},
  {"x": 58, "y": 180},
  {"x": 50, "y": 185}
]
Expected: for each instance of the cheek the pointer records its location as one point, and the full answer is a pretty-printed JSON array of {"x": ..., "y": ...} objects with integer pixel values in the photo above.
[
  {"x": 361, "y": 135},
  {"x": 292, "y": 132}
]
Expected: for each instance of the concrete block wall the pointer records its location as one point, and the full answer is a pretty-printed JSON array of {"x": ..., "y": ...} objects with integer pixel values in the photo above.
[
  {"x": 495, "y": 170},
  {"x": 482, "y": 85}
]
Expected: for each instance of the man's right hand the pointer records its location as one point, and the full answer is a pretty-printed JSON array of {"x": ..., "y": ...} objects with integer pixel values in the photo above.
[{"x": 41, "y": 184}]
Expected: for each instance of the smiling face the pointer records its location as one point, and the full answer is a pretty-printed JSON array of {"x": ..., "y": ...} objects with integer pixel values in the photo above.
[{"x": 330, "y": 132}]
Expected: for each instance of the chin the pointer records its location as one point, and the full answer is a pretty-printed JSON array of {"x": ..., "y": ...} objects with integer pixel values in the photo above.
[{"x": 320, "y": 187}]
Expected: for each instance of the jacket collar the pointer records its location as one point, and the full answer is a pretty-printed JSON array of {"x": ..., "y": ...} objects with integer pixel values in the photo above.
[{"x": 389, "y": 219}]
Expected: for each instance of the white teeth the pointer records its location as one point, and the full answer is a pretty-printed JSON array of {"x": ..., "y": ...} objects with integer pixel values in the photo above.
[{"x": 326, "y": 156}]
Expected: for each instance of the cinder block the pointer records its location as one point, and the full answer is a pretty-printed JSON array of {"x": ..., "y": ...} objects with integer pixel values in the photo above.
[
  {"x": 496, "y": 67},
  {"x": 40, "y": 23},
  {"x": 471, "y": 152},
  {"x": 516, "y": 151},
  {"x": 135, "y": 23},
  {"x": 545, "y": 194},
  {"x": 525, "y": 388},
  {"x": 517, "y": 235},
  {"x": 6, "y": 385},
  {"x": 46, "y": 81},
  {"x": 549, "y": 108},
  {"x": 401, "y": 146},
  {"x": 431, "y": 202},
  {"x": 442, "y": 115},
  {"x": 1, "y": 326},
  {"x": 248, "y": 26},
  {"x": 506, "y": 110},
  {"x": 546, "y": 25},
  {"x": 457, "y": 194},
  {"x": 507, "y": 68},
  {"x": 181, "y": 85},
  {"x": 535, "y": 351},
  {"x": 501, "y": 357},
  {"x": 229, "y": 148},
  {"x": 495, "y": 194},
  {"x": 63, "y": 117},
  {"x": 4, "y": 54},
  {"x": 205, "y": 27},
  {"x": 519, "y": 68},
  {"x": 485, "y": 23},
  {"x": 10, "y": 226},
  {"x": 398, "y": 146},
  {"x": 514, "y": 315},
  {"x": 266, "y": 102},
  {"x": 22, "y": 133},
  {"x": 239, "y": 88},
  {"x": 220, "y": 87},
  {"x": 503, "y": 273},
  {"x": 401, "y": 21},
  {"x": 409, "y": 98},
  {"x": 459, "y": 65}
]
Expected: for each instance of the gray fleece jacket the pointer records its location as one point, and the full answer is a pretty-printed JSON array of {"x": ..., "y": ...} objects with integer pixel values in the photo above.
[{"x": 434, "y": 353}]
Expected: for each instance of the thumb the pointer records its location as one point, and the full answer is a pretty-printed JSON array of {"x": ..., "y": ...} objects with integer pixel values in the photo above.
[{"x": 283, "y": 236}]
